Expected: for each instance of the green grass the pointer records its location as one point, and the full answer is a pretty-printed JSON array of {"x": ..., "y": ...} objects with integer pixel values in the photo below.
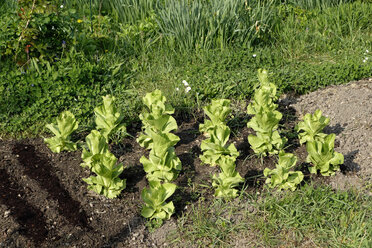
[{"x": 309, "y": 217}]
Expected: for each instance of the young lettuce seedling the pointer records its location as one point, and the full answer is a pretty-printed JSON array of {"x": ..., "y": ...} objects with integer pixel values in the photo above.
[
  {"x": 103, "y": 163},
  {"x": 311, "y": 127},
  {"x": 217, "y": 152},
  {"x": 108, "y": 119},
  {"x": 155, "y": 197},
  {"x": 97, "y": 145},
  {"x": 281, "y": 177},
  {"x": 266, "y": 118},
  {"x": 162, "y": 166},
  {"x": 66, "y": 124},
  {"x": 107, "y": 181},
  {"x": 217, "y": 112},
  {"x": 322, "y": 155},
  {"x": 215, "y": 147},
  {"x": 228, "y": 179}
]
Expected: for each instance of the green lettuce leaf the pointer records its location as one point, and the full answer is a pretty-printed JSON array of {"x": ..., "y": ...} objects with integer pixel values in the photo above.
[
  {"x": 217, "y": 112},
  {"x": 97, "y": 145},
  {"x": 281, "y": 177},
  {"x": 66, "y": 124},
  {"x": 311, "y": 127},
  {"x": 155, "y": 197},
  {"x": 108, "y": 119},
  {"x": 228, "y": 179},
  {"x": 322, "y": 155},
  {"x": 107, "y": 181}
]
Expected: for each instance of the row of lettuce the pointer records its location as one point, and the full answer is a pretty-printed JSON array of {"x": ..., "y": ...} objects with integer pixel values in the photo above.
[{"x": 162, "y": 165}]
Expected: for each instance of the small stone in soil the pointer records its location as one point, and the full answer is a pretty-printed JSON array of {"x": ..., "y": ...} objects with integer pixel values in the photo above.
[{"x": 6, "y": 213}]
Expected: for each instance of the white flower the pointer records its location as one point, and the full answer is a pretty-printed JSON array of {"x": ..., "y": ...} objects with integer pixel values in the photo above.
[
  {"x": 185, "y": 83},
  {"x": 364, "y": 60},
  {"x": 61, "y": 6},
  {"x": 367, "y": 51},
  {"x": 188, "y": 89},
  {"x": 254, "y": 55},
  {"x": 177, "y": 89}
]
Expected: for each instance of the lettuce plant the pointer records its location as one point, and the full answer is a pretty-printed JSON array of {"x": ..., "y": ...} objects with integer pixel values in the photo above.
[
  {"x": 311, "y": 127},
  {"x": 108, "y": 119},
  {"x": 323, "y": 157},
  {"x": 106, "y": 181},
  {"x": 217, "y": 112},
  {"x": 215, "y": 147},
  {"x": 281, "y": 177},
  {"x": 103, "y": 163},
  {"x": 66, "y": 124},
  {"x": 266, "y": 118},
  {"x": 227, "y": 179},
  {"x": 155, "y": 197},
  {"x": 157, "y": 116},
  {"x": 162, "y": 166},
  {"x": 217, "y": 152},
  {"x": 97, "y": 145}
]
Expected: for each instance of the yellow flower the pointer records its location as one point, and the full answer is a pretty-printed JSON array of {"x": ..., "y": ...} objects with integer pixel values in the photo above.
[{"x": 79, "y": 21}]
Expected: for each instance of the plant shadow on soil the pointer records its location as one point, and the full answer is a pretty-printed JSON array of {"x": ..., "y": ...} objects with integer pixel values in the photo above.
[{"x": 86, "y": 219}]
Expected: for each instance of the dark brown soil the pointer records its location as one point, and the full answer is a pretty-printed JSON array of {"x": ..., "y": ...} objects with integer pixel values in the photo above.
[{"x": 45, "y": 203}]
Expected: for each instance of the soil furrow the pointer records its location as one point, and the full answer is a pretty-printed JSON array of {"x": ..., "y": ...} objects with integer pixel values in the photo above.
[
  {"x": 39, "y": 169},
  {"x": 32, "y": 221}
]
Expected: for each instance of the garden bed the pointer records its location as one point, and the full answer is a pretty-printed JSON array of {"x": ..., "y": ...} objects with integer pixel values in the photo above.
[{"x": 45, "y": 203}]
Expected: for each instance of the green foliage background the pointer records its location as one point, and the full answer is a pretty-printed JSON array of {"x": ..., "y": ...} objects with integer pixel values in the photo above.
[{"x": 71, "y": 53}]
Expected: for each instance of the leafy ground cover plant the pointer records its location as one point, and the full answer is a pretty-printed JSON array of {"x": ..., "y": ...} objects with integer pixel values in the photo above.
[
  {"x": 66, "y": 124},
  {"x": 323, "y": 156},
  {"x": 162, "y": 166},
  {"x": 281, "y": 177},
  {"x": 108, "y": 119},
  {"x": 217, "y": 152},
  {"x": 311, "y": 127},
  {"x": 266, "y": 118}
]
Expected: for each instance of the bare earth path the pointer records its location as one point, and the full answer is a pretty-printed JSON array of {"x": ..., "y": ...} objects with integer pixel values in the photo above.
[{"x": 349, "y": 107}]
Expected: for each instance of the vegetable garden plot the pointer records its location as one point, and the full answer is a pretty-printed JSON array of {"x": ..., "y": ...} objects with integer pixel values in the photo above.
[
  {"x": 109, "y": 222},
  {"x": 51, "y": 187}
]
